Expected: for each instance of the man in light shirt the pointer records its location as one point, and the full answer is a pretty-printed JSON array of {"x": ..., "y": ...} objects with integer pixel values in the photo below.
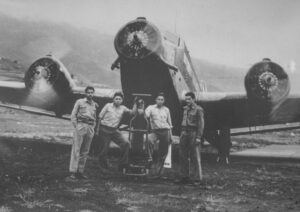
[
  {"x": 107, "y": 129},
  {"x": 83, "y": 118},
  {"x": 161, "y": 127}
]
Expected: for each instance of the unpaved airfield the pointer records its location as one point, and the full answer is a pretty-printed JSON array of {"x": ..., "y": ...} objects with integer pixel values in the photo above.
[{"x": 34, "y": 161}]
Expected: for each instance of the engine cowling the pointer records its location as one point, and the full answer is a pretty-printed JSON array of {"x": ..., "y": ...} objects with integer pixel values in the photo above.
[
  {"x": 138, "y": 39},
  {"x": 267, "y": 82},
  {"x": 49, "y": 85},
  {"x": 51, "y": 71}
]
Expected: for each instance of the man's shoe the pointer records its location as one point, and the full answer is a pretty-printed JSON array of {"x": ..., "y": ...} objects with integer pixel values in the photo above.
[
  {"x": 122, "y": 167},
  {"x": 103, "y": 164},
  {"x": 184, "y": 181},
  {"x": 71, "y": 177},
  {"x": 82, "y": 176},
  {"x": 155, "y": 177}
]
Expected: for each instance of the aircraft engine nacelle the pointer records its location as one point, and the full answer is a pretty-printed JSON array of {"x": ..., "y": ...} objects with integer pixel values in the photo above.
[
  {"x": 138, "y": 39},
  {"x": 49, "y": 85},
  {"x": 48, "y": 72},
  {"x": 267, "y": 82}
]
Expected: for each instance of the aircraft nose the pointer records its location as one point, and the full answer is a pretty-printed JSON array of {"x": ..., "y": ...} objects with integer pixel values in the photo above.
[{"x": 137, "y": 40}]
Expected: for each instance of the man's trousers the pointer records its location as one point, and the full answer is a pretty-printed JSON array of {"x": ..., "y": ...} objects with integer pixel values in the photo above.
[
  {"x": 83, "y": 136},
  {"x": 164, "y": 137},
  {"x": 187, "y": 150},
  {"x": 107, "y": 134}
]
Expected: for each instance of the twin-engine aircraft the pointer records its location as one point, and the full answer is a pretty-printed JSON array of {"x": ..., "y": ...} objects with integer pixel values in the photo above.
[{"x": 152, "y": 61}]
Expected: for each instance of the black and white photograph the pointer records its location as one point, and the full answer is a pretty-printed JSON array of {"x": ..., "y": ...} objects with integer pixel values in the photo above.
[{"x": 150, "y": 105}]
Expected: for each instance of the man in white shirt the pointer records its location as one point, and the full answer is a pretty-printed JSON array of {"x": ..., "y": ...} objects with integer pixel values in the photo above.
[{"x": 161, "y": 127}]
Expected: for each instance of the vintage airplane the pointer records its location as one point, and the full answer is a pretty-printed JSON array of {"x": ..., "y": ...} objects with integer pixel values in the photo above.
[{"x": 152, "y": 61}]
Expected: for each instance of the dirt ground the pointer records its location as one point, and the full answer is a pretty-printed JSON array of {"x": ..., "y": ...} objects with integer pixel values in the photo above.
[{"x": 34, "y": 161}]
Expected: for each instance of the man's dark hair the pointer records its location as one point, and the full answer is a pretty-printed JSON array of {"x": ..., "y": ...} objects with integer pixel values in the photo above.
[
  {"x": 191, "y": 94},
  {"x": 160, "y": 94},
  {"x": 89, "y": 88},
  {"x": 120, "y": 94}
]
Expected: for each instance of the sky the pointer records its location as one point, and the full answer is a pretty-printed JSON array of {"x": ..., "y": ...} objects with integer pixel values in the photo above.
[{"x": 232, "y": 32}]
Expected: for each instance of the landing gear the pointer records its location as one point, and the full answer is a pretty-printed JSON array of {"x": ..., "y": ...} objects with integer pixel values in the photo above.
[
  {"x": 226, "y": 159},
  {"x": 224, "y": 145},
  {"x": 58, "y": 111},
  {"x": 220, "y": 139}
]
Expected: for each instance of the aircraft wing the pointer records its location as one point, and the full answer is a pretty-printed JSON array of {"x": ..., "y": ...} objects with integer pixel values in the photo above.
[
  {"x": 12, "y": 92},
  {"x": 15, "y": 95},
  {"x": 235, "y": 110}
]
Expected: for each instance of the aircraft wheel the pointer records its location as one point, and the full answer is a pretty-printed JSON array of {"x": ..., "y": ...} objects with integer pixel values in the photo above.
[{"x": 58, "y": 111}]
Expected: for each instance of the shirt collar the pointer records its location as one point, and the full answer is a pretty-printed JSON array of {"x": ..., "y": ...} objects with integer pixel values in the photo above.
[
  {"x": 87, "y": 101},
  {"x": 158, "y": 107},
  {"x": 193, "y": 106},
  {"x": 113, "y": 105}
]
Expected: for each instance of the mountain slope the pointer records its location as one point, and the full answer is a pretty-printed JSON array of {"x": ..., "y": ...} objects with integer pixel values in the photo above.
[
  {"x": 220, "y": 77},
  {"x": 88, "y": 54}
]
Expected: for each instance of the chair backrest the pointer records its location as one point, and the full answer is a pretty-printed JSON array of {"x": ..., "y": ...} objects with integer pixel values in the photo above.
[{"x": 139, "y": 121}]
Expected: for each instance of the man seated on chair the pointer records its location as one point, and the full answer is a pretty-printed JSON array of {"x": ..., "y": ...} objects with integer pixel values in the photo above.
[
  {"x": 161, "y": 129},
  {"x": 107, "y": 130}
]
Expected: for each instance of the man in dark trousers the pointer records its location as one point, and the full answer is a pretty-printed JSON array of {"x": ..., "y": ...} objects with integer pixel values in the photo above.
[
  {"x": 161, "y": 129},
  {"x": 191, "y": 133},
  {"x": 83, "y": 118},
  {"x": 107, "y": 129}
]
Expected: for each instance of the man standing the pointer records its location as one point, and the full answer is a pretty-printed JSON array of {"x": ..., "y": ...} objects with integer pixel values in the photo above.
[
  {"x": 191, "y": 133},
  {"x": 83, "y": 118},
  {"x": 161, "y": 128},
  {"x": 107, "y": 129}
]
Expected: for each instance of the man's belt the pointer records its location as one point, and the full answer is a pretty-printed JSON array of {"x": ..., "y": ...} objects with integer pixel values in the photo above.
[
  {"x": 86, "y": 121},
  {"x": 108, "y": 127},
  {"x": 189, "y": 128},
  {"x": 159, "y": 130},
  {"x": 89, "y": 123}
]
